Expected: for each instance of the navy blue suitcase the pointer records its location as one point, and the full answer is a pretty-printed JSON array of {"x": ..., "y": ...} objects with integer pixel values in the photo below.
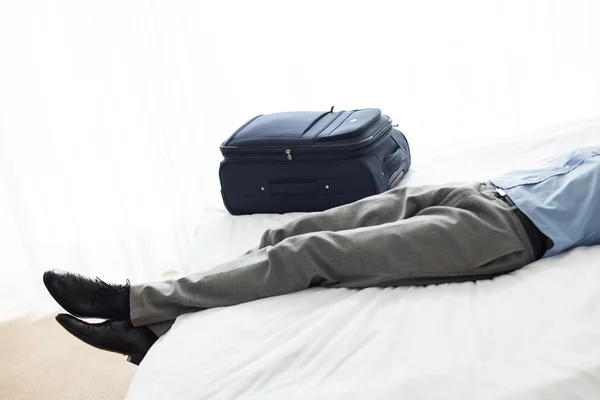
[{"x": 311, "y": 161}]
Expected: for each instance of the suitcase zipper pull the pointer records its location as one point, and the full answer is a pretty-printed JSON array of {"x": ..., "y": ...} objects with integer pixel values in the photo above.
[{"x": 289, "y": 154}]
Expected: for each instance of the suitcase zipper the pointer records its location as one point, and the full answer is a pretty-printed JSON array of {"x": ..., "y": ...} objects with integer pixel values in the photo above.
[{"x": 287, "y": 153}]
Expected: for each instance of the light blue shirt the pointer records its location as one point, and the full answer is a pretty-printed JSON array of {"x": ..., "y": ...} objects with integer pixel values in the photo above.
[{"x": 562, "y": 198}]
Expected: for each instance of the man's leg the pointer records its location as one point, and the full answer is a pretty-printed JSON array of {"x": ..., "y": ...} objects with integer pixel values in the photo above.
[
  {"x": 462, "y": 235},
  {"x": 160, "y": 328},
  {"x": 393, "y": 205},
  {"x": 390, "y": 206}
]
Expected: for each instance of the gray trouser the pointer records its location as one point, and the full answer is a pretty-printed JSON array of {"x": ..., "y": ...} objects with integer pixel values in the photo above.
[{"x": 406, "y": 236}]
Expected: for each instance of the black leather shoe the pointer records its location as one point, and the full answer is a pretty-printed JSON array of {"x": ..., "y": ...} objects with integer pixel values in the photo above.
[
  {"x": 88, "y": 298},
  {"x": 116, "y": 336}
]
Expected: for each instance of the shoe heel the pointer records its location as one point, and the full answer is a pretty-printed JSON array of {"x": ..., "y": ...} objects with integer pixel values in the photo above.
[{"x": 135, "y": 358}]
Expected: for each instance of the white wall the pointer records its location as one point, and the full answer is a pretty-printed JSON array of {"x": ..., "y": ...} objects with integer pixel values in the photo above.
[{"x": 111, "y": 112}]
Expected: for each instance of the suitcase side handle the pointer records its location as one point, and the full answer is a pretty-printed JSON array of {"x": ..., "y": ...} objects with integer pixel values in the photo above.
[
  {"x": 293, "y": 188},
  {"x": 320, "y": 117}
]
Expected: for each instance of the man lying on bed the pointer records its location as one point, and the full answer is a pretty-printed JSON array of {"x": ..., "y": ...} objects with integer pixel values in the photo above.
[{"x": 406, "y": 236}]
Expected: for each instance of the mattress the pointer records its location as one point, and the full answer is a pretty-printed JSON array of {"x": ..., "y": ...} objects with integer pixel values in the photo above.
[{"x": 533, "y": 334}]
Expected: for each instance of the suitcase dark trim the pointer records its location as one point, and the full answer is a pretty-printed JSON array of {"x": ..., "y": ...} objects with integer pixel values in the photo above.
[
  {"x": 342, "y": 150},
  {"x": 231, "y": 211}
]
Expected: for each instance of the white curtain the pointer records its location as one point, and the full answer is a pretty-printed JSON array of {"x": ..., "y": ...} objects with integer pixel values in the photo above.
[
  {"x": 111, "y": 112},
  {"x": 99, "y": 144}
]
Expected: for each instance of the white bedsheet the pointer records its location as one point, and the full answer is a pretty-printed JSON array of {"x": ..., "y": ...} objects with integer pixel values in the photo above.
[{"x": 533, "y": 334}]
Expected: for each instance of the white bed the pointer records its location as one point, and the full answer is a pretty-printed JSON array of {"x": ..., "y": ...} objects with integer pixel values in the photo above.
[{"x": 533, "y": 334}]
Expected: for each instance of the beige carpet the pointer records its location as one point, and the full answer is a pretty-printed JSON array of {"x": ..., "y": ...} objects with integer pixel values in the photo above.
[{"x": 39, "y": 360}]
